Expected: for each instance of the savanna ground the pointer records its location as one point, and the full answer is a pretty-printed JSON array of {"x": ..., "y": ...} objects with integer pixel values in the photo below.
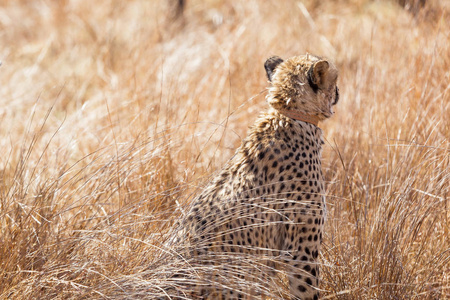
[{"x": 115, "y": 113}]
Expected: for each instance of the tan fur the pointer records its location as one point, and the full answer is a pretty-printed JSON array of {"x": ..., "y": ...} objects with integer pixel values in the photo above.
[
  {"x": 291, "y": 90},
  {"x": 266, "y": 207}
]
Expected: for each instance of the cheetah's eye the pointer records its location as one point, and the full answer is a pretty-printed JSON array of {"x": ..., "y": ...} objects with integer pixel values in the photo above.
[{"x": 336, "y": 98}]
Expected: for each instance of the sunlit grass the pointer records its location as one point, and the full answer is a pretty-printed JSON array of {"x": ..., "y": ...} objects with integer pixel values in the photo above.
[{"x": 115, "y": 115}]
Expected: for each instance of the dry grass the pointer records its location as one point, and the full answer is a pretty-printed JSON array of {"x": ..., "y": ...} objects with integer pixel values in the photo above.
[{"x": 114, "y": 114}]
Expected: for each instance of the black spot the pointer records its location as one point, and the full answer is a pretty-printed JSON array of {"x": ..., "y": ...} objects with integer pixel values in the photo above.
[
  {"x": 308, "y": 281},
  {"x": 301, "y": 288},
  {"x": 307, "y": 251},
  {"x": 261, "y": 155},
  {"x": 275, "y": 164}
]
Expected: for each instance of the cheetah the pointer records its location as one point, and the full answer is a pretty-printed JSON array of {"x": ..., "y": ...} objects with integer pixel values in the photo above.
[{"x": 268, "y": 202}]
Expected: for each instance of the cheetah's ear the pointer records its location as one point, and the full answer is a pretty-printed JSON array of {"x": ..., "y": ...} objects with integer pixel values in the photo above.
[
  {"x": 271, "y": 64},
  {"x": 317, "y": 74}
]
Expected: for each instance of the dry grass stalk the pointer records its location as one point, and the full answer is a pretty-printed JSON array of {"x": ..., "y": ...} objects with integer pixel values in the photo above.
[{"x": 111, "y": 121}]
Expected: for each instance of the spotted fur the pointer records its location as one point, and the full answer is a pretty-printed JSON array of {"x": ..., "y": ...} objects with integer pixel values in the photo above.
[{"x": 268, "y": 201}]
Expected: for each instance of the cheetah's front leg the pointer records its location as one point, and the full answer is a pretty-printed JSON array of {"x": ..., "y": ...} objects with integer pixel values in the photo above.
[
  {"x": 302, "y": 267},
  {"x": 303, "y": 277}
]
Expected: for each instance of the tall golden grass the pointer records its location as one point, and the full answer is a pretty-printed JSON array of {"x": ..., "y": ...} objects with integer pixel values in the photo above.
[{"x": 115, "y": 113}]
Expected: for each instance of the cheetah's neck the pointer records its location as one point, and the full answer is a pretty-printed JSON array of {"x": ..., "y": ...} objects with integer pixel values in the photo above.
[{"x": 300, "y": 116}]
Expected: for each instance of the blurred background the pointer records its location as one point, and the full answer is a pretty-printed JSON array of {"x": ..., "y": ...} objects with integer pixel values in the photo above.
[{"x": 113, "y": 114}]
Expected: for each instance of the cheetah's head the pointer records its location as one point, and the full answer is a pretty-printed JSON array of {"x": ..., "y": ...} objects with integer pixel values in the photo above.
[{"x": 305, "y": 83}]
